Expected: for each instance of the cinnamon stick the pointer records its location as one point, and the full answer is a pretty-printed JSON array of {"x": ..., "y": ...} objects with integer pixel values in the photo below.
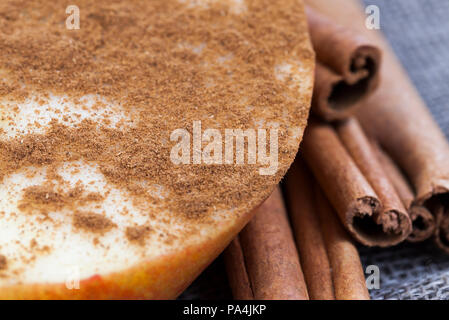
[
  {"x": 269, "y": 256},
  {"x": 398, "y": 118},
  {"x": 308, "y": 234},
  {"x": 329, "y": 258},
  {"x": 347, "y": 272},
  {"x": 394, "y": 215},
  {"x": 423, "y": 222},
  {"x": 236, "y": 271},
  {"x": 442, "y": 221},
  {"x": 350, "y": 193},
  {"x": 346, "y": 71}
]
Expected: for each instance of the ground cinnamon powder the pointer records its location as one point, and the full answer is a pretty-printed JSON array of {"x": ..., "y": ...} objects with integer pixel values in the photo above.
[
  {"x": 93, "y": 222},
  {"x": 3, "y": 262},
  {"x": 137, "y": 234},
  {"x": 167, "y": 64},
  {"x": 45, "y": 198}
]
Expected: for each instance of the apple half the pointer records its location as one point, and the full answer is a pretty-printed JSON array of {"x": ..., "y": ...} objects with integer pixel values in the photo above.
[{"x": 67, "y": 231}]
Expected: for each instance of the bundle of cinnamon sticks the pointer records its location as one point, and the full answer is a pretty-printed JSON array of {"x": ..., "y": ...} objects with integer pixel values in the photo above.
[{"x": 373, "y": 167}]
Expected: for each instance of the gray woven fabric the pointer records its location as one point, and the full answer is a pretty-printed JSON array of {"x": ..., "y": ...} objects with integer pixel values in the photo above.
[
  {"x": 409, "y": 271},
  {"x": 418, "y": 30},
  {"x": 419, "y": 33}
]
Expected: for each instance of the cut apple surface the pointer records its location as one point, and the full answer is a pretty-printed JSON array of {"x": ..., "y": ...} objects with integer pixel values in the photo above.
[{"x": 99, "y": 197}]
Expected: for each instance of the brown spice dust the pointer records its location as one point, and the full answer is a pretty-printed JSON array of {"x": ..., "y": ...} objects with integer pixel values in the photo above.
[
  {"x": 92, "y": 222},
  {"x": 163, "y": 62},
  {"x": 137, "y": 234},
  {"x": 3, "y": 262}
]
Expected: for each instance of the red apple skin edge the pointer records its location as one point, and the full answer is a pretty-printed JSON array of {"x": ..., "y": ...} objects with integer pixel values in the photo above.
[{"x": 163, "y": 278}]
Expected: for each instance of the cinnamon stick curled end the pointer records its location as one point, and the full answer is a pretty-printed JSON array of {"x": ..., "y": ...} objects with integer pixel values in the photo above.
[
  {"x": 361, "y": 77},
  {"x": 349, "y": 191},
  {"x": 369, "y": 225},
  {"x": 348, "y": 68},
  {"x": 423, "y": 224}
]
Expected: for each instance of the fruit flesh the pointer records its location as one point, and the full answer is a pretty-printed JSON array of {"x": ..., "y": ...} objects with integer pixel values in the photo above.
[{"x": 47, "y": 251}]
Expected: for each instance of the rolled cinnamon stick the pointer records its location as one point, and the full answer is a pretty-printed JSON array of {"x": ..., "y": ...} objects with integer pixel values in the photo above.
[
  {"x": 423, "y": 222},
  {"x": 347, "y": 68},
  {"x": 394, "y": 215},
  {"x": 269, "y": 256},
  {"x": 308, "y": 234},
  {"x": 442, "y": 221},
  {"x": 236, "y": 271},
  {"x": 352, "y": 196},
  {"x": 399, "y": 119},
  {"x": 347, "y": 272}
]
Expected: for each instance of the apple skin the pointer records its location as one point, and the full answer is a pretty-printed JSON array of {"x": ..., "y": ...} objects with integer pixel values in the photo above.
[{"x": 163, "y": 278}]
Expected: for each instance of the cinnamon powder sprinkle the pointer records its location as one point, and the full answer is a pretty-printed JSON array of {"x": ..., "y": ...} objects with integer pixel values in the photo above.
[
  {"x": 166, "y": 64},
  {"x": 45, "y": 198},
  {"x": 3, "y": 262},
  {"x": 92, "y": 222},
  {"x": 137, "y": 234}
]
